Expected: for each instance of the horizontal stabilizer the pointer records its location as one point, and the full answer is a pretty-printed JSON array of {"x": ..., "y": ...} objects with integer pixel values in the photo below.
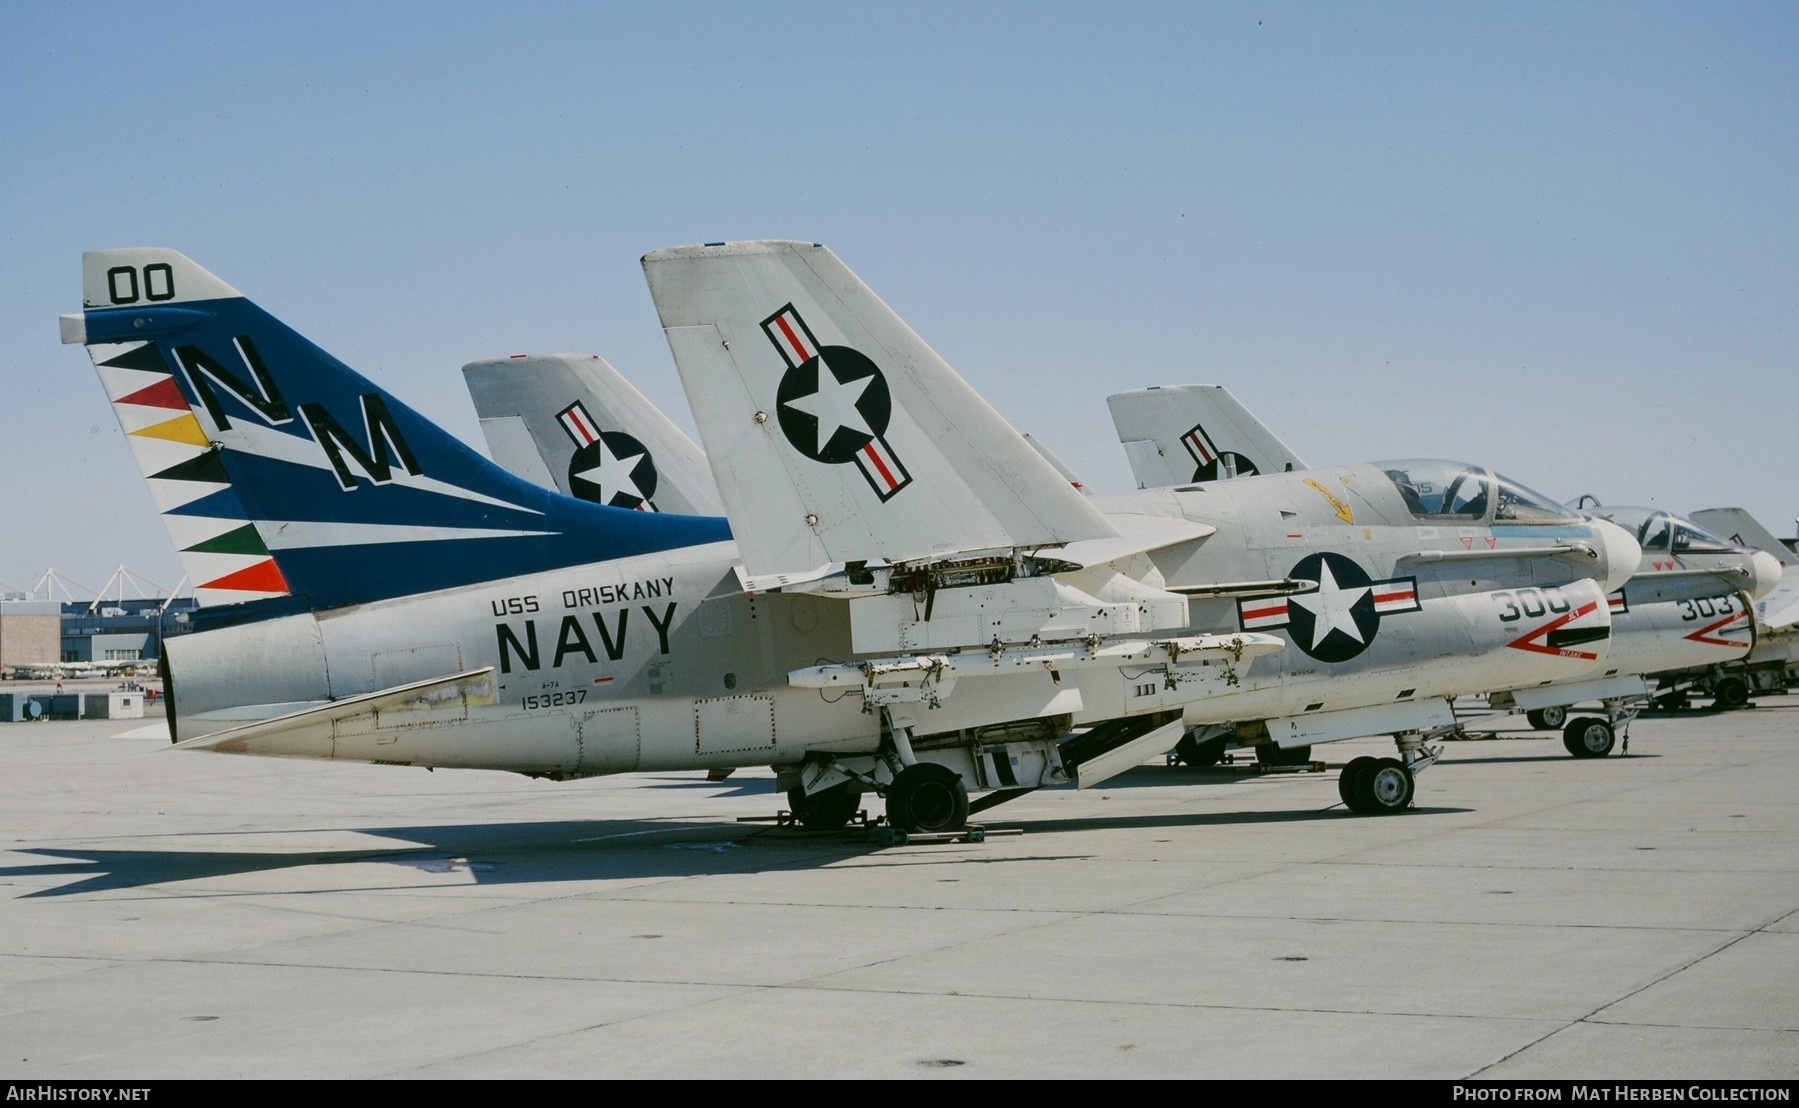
[
  {"x": 1136, "y": 535},
  {"x": 313, "y": 732},
  {"x": 833, "y": 432},
  {"x": 147, "y": 731}
]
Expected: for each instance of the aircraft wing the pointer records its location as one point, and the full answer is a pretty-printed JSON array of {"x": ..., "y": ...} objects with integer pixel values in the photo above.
[
  {"x": 1185, "y": 434},
  {"x": 1779, "y": 609},
  {"x": 573, "y": 422},
  {"x": 834, "y": 433}
]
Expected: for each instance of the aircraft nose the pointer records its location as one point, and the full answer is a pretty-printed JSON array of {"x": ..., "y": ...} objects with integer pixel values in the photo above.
[
  {"x": 1767, "y": 573},
  {"x": 1619, "y": 553}
]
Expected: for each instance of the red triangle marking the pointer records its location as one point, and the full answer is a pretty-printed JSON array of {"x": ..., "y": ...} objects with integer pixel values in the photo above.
[
  {"x": 261, "y": 577},
  {"x": 163, "y": 394}
]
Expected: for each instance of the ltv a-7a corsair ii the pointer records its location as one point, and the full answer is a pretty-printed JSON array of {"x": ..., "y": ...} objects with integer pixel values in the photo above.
[
  {"x": 376, "y": 591},
  {"x": 1686, "y": 607},
  {"x": 380, "y": 593}
]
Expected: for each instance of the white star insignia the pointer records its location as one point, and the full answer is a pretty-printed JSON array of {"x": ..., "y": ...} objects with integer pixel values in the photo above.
[
  {"x": 612, "y": 472},
  {"x": 834, "y": 406},
  {"x": 1330, "y": 607}
]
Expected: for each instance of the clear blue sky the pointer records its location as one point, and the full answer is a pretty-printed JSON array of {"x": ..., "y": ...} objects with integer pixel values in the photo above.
[{"x": 1559, "y": 239}]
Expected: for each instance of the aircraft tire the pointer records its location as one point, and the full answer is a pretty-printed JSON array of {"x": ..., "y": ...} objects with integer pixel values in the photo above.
[
  {"x": 1351, "y": 782},
  {"x": 927, "y": 797},
  {"x": 1199, "y": 753},
  {"x": 826, "y": 809},
  {"x": 1388, "y": 786},
  {"x": 1588, "y": 737},
  {"x": 1548, "y": 719},
  {"x": 1672, "y": 702},
  {"x": 1269, "y": 754},
  {"x": 1731, "y": 692}
]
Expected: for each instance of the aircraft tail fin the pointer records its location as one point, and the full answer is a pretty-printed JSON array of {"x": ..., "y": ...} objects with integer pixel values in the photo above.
[
  {"x": 281, "y": 472},
  {"x": 572, "y": 421},
  {"x": 1187, "y": 434},
  {"x": 1743, "y": 529},
  {"x": 1059, "y": 465},
  {"x": 834, "y": 433}
]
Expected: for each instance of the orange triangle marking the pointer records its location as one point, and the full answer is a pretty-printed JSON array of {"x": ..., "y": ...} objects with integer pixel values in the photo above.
[{"x": 261, "y": 577}]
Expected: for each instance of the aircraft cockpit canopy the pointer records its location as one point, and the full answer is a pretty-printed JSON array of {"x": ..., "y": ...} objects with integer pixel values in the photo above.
[
  {"x": 1658, "y": 530},
  {"x": 1455, "y": 491}
]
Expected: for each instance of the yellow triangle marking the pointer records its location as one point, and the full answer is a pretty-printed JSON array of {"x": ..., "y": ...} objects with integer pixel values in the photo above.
[{"x": 183, "y": 428}]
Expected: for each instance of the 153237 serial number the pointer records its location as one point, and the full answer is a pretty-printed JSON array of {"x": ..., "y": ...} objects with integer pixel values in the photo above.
[{"x": 556, "y": 699}]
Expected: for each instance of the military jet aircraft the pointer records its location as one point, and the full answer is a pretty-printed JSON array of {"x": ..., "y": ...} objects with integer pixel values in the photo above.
[
  {"x": 1686, "y": 606},
  {"x": 1773, "y": 665},
  {"x": 1189, "y": 434},
  {"x": 383, "y": 594},
  {"x": 1702, "y": 586},
  {"x": 836, "y": 436}
]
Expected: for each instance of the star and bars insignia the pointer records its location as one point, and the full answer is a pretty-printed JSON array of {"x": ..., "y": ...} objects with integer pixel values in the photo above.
[
  {"x": 1208, "y": 460},
  {"x": 1337, "y": 618},
  {"x": 834, "y": 405},
  {"x": 608, "y": 467}
]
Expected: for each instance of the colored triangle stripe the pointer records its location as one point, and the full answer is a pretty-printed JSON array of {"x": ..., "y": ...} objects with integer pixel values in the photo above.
[
  {"x": 202, "y": 467},
  {"x": 261, "y": 577},
  {"x": 183, "y": 428},
  {"x": 241, "y": 540},
  {"x": 138, "y": 357},
  {"x": 163, "y": 394}
]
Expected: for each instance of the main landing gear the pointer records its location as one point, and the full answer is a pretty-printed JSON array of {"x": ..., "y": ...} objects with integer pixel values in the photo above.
[
  {"x": 927, "y": 797},
  {"x": 1383, "y": 786},
  {"x": 1731, "y": 692},
  {"x": 1593, "y": 737},
  {"x": 1588, "y": 737},
  {"x": 1548, "y": 719},
  {"x": 1199, "y": 753},
  {"x": 922, "y": 797},
  {"x": 827, "y": 809}
]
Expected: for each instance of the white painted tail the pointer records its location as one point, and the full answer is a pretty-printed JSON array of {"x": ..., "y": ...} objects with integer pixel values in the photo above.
[{"x": 834, "y": 433}]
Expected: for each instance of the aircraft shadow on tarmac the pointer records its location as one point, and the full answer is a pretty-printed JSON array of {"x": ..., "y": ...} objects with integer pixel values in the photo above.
[
  {"x": 577, "y": 850},
  {"x": 1514, "y": 759},
  {"x": 497, "y": 853}
]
